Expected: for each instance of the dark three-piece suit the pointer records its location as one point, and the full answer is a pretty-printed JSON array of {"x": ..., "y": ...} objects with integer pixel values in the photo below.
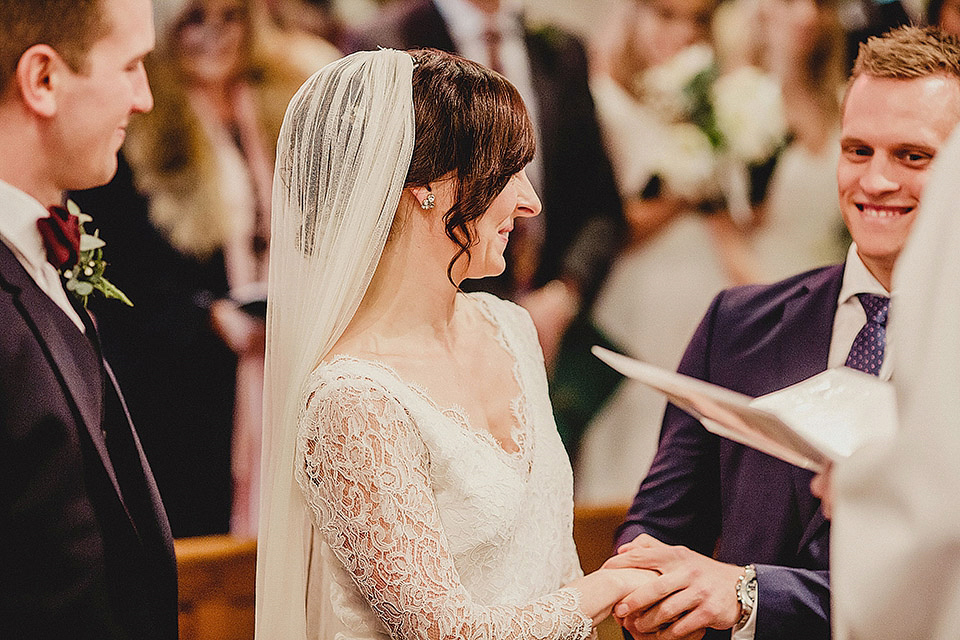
[
  {"x": 85, "y": 548},
  {"x": 732, "y": 502}
]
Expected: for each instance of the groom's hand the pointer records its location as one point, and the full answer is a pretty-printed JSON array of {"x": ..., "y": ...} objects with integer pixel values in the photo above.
[{"x": 691, "y": 594}]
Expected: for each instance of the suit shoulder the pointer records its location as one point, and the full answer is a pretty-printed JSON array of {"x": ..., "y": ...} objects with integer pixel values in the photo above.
[
  {"x": 755, "y": 298},
  {"x": 401, "y": 25},
  {"x": 552, "y": 43}
]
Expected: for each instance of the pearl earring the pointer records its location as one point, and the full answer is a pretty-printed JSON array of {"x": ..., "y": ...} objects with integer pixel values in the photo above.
[{"x": 429, "y": 202}]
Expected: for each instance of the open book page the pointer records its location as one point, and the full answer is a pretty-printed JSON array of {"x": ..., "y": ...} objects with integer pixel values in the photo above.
[{"x": 822, "y": 419}]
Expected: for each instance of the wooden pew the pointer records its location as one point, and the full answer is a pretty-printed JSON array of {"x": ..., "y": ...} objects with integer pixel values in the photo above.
[
  {"x": 217, "y": 575},
  {"x": 593, "y": 532},
  {"x": 216, "y": 578}
]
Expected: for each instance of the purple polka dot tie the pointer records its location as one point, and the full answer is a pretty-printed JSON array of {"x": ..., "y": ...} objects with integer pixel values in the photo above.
[{"x": 866, "y": 354}]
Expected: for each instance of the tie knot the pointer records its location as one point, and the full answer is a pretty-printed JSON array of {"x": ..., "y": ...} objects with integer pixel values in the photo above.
[
  {"x": 61, "y": 237},
  {"x": 876, "y": 307}
]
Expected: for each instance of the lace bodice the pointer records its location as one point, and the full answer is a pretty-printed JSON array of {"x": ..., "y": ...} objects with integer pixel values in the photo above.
[{"x": 424, "y": 527}]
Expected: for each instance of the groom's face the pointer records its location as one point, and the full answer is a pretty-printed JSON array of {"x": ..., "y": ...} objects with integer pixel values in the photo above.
[
  {"x": 95, "y": 103},
  {"x": 891, "y": 132}
]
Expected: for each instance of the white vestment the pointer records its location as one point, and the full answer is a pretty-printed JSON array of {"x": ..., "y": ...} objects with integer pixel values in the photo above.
[{"x": 895, "y": 549}]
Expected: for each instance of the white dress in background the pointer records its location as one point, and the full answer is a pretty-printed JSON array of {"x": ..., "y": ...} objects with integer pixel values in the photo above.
[
  {"x": 802, "y": 228},
  {"x": 650, "y": 305},
  {"x": 425, "y": 527}
]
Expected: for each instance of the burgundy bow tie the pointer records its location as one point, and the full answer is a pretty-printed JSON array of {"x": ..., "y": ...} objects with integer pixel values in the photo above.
[{"x": 61, "y": 237}]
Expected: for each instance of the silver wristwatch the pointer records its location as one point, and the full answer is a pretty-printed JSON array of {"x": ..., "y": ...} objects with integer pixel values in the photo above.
[{"x": 746, "y": 594}]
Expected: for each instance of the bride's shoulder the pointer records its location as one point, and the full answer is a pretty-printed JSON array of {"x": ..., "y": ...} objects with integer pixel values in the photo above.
[
  {"x": 348, "y": 376},
  {"x": 500, "y": 309},
  {"x": 347, "y": 393}
]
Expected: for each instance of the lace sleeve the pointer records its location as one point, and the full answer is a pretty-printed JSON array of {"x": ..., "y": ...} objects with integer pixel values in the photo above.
[{"x": 365, "y": 476}]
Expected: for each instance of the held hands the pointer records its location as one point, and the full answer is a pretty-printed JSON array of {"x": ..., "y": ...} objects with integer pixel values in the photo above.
[
  {"x": 691, "y": 594},
  {"x": 821, "y": 487}
]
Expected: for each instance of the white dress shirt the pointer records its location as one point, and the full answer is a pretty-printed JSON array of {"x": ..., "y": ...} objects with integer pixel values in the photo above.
[{"x": 19, "y": 213}]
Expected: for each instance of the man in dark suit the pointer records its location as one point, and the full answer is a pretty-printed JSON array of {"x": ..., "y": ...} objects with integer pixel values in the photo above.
[
  {"x": 85, "y": 547},
  {"x": 570, "y": 245},
  {"x": 739, "y": 540}
]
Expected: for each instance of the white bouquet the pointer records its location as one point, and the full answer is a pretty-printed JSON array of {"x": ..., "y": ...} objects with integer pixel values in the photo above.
[{"x": 720, "y": 127}]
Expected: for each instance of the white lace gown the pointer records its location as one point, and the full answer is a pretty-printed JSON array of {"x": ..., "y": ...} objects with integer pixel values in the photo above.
[{"x": 424, "y": 527}]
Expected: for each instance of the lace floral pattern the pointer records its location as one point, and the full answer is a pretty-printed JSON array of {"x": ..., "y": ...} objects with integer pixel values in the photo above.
[{"x": 442, "y": 533}]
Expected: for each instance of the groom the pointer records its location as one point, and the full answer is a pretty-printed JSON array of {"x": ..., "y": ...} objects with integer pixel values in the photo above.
[
  {"x": 85, "y": 547},
  {"x": 739, "y": 541}
]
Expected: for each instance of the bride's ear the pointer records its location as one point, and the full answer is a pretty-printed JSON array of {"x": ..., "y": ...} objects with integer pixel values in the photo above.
[{"x": 424, "y": 196}]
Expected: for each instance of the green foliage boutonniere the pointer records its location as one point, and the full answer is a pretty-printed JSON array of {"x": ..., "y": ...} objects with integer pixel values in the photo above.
[{"x": 86, "y": 276}]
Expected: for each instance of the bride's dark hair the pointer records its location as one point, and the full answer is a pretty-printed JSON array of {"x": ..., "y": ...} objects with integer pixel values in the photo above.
[{"x": 470, "y": 123}]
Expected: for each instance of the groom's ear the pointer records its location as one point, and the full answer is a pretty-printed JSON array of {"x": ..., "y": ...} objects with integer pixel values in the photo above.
[{"x": 38, "y": 75}]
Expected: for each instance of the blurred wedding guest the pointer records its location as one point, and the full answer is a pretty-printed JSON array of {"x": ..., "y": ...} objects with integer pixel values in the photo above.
[
  {"x": 739, "y": 539},
  {"x": 188, "y": 221},
  {"x": 557, "y": 259},
  {"x": 683, "y": 248},
  {"x": 85, "y": 547},
  {"x": 896, "y": 518},
  {"x": 301, "y": 19},
  {"x": 799, "y": 225},
  {"x": 944, "y": 14},
  {"x": 862, "y": 19}
]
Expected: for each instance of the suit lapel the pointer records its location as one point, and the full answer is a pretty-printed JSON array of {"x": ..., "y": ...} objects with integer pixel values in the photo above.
[
  {"x": 808, "y": 321},
  {"x": 64, "y": 347},
  {"x": 807, "y": 324}
]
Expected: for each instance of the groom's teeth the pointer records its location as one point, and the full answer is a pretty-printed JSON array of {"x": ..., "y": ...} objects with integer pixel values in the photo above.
[{"x": 881, "y": 213}]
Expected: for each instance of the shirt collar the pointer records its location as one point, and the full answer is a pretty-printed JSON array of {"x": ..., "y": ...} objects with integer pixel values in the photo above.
[
  {"x": 18, "y": 223},
  {"x": 467, "y": 22},
  {"x": 857, "y": 278}
]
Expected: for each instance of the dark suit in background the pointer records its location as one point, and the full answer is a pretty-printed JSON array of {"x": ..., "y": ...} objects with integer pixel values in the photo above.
[
  {"x": 732, "y": 502},
  {"x": 581, "y": 207},
  {"x": 85, "y": 548}
]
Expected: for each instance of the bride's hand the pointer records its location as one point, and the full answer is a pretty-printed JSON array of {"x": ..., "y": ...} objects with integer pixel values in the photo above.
[{"x": 604, "y": 588}]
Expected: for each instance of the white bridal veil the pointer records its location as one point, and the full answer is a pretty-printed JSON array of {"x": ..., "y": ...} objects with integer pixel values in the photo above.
[{"x": 342, "y": 158}]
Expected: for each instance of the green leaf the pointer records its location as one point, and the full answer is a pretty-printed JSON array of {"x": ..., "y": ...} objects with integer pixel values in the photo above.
[{"x": 109, "y": 290}]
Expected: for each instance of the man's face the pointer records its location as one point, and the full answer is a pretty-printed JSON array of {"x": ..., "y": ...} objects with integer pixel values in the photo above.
[
  {"x": 892, "y": 129},
  {"x": 94, "y": 105}
]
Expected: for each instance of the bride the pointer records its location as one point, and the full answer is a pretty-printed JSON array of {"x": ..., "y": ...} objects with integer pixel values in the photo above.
[{"x": 415, "y": 485}]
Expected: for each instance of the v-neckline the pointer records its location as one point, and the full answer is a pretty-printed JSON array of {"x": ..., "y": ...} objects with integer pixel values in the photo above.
[{"x": 520, "y": 429}]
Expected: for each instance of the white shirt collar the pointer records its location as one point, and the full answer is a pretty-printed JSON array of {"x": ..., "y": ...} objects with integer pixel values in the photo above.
[
  {"x": 467, "y": 22},
  {"x": 858, "y": 279},
  {"x": 18, "y": 224}
]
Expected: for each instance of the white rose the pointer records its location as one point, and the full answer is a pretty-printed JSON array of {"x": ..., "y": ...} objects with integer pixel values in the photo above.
[
  {"x": 748, "y": 109},
  {"x": 688, "y": 163},
  {"x": 663, "y": 85}
]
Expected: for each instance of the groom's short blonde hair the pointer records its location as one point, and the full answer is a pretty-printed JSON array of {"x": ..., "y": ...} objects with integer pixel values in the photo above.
[
  {"x": 69, "y": 26},
  {"x": 905, "y": 53}
]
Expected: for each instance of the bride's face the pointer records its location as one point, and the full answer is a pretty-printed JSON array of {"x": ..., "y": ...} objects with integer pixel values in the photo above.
[{"x": 517, "y": 200}]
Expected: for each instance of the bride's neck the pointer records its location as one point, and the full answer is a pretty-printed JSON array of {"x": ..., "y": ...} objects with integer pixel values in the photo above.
[{"x": 410, "y": 295}]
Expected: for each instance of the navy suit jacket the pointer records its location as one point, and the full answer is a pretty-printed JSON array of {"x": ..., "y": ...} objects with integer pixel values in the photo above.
[
  {"x": 582, "y": 213},
  {"x": 732, "y": 502},
  {"x": 85, "y": 548}
]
